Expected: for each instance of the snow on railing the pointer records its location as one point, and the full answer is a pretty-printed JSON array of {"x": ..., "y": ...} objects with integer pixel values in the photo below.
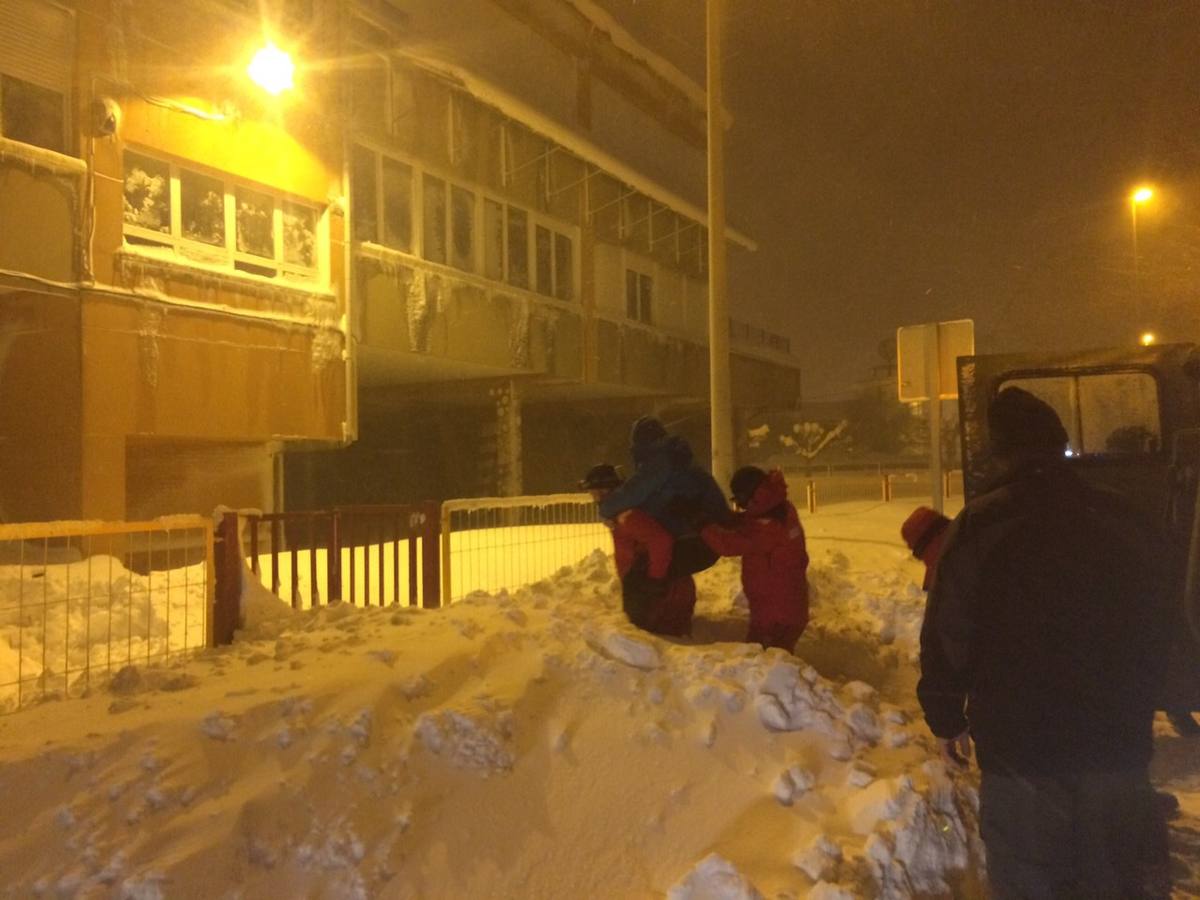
[
  {"x": 503, "y": 543},
  {"x": 81, "y": 600}
]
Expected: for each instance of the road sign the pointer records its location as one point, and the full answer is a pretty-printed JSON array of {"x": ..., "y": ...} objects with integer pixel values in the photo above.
[
  {"x": 928, "y": 352},
  {"x": 926, "y": 370}
]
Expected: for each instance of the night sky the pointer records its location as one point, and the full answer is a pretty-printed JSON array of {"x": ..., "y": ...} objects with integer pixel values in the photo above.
[{"x": 903, "y": 161}]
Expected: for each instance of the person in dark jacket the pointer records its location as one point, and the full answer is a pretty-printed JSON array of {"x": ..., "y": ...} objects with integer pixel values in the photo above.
[
  {"x": 768, "y": 537},
  {"x": 653, "y": 598},
  {"x": 1043, "y": 640},
  {"x": 924, "y": 531},
  {"x": 667, "y": 485}
]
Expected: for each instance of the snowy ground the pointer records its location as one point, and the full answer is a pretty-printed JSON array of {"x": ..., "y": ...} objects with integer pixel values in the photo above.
[{"x": 526, "y": 745}]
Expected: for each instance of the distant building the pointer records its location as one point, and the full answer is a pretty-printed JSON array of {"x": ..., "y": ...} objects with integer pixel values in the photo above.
[{"x": 458, "y": 258}]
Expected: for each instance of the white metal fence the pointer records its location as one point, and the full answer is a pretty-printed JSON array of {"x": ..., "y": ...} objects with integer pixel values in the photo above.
[
  {"x": 80, "y": 600},
  {"x": 495, "y": 543}
]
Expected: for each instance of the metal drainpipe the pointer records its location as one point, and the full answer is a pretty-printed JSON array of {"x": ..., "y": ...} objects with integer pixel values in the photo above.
[{"x": 350, "y": 354}]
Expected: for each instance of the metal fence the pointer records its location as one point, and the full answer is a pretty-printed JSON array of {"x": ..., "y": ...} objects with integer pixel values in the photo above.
[
  {"x": 496, "y": 543},
  {"x": 822, "y": 487},
  {"x": 81, "y": 600},
  {"x": 362, "y": 555}
]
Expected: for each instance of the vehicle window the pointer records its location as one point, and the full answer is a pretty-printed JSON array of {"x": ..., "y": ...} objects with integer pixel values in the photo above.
[
  {"x": 1104, "y": 413},
  {"x": 1119, "y": 411},
  {"x": 1059, "y": 392}
]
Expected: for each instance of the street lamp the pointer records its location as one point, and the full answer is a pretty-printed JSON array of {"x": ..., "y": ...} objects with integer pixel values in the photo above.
[
  {"x": 272, "y": 70},
  {"x": 1148, "y": 338},
  {"x": 1139, "y": 197}
]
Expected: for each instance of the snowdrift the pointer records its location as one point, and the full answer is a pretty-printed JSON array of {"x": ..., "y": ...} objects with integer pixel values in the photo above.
[{"x": 526, "y": 745}]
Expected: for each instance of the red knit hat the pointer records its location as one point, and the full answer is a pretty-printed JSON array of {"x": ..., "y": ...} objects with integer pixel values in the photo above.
[{"x": 921, "y": 527}]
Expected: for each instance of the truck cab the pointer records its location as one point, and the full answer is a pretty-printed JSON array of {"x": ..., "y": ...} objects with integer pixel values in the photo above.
[{"x": 1132, "y": 417}]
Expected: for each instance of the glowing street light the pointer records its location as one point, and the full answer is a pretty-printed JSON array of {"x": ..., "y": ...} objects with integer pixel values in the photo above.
[
  {"x": 1148, "y": 338},
  {"x": 272, "y": 70},
  {"x": 1139, "y": 197}
]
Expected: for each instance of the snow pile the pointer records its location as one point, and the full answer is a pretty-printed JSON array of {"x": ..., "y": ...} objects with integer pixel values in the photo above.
[
  {"x": 513, "y": 745},
  {"x": 64, "y": 625}
]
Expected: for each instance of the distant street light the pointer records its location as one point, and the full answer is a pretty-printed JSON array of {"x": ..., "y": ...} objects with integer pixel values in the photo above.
[
  {"x": 1139, "y": 197},
  {"x": 272, "y": 70},
  {"x": 1148, "y": 338}
]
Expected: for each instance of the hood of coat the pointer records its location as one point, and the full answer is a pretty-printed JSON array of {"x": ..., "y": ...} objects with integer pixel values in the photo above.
[
  {"x": 920, "y": 529},
  {"x": 673, "y": 449},
  {"x": 768, "y": 495}
]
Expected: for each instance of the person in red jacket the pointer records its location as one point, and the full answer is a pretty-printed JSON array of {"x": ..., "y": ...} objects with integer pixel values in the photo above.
[
  {"x": 925, "y": 531},
  {"x": 768, "y": 537},
  {"x": 653, "y": 597}
]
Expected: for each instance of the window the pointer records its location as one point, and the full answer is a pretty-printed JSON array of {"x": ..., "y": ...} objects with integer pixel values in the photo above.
[
  {"x": 493, "y": 240},
  {"x": 397, "y": 205},
  {"x": 35, "y": 73},
  {"x": 564, "y": 267},
  {"x": 506, "y": 248},
  {"x": 555, "y": 267},
  {"x": 462, "y": 228},
  {"x": 639, "y": 294},
  {"x": 381, "y": 190},
  {"x": 457, "y": 226},
  {"x": 1104, "y": 413},
  {"x": 543, "y": 243},
  {"x": 202, "y": 200},
  {"x": 433, "y": 222},
  {"x": 299, "y": 235},
  {"x": 518, "y": 247},
  {"x": 32, "y": 114},
  {"x": 207, "y": 219},
  {"x": 148, "y": 194},
  {"x": 363, "y": 195}
]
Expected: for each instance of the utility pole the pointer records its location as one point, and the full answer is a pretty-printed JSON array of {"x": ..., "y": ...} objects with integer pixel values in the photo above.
[{"x": 721, "y": 405}]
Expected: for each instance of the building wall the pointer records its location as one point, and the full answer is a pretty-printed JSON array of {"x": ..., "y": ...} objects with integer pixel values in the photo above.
[
  {"x": 40, "y": 407},
  {"x": 43, "y": 245},
  {"x": 207, "y": 238}
]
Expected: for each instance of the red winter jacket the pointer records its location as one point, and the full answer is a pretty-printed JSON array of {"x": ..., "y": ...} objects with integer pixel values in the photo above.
[
  {"x": 635, "y": 532},
  {"x": 774, "y": 556}
]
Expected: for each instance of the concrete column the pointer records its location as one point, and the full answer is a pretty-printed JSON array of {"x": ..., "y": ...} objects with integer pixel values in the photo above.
[{"x": 509, "y": 465}]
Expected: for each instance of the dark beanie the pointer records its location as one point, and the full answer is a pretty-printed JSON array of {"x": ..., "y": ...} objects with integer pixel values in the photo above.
[
  {"x": 1020, "y": 422},
  {"x": 646, "y": 430}
]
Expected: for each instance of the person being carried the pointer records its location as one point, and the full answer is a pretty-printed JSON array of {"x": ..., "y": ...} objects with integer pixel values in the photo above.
[
  {"x": 768, "y": 536},
  {"x": 653, "y": 598},
  {"x": 667, "y": 485}
]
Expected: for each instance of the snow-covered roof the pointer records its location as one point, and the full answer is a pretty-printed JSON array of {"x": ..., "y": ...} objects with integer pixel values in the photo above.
[
  {"x": 585, "y": 149},
  {"x": 627, "y": 43}
]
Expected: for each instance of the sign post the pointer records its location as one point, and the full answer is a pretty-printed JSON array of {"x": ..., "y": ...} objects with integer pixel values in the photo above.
[{"x": 926, "y": 370}]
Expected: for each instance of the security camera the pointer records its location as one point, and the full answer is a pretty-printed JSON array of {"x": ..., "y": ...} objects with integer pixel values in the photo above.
[{"x": 106, "y": 116}]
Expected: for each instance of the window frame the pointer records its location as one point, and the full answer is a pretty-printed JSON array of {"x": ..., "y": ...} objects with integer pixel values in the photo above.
[
  {"x": 227, "y": 255},
  {"x": 556, "y": 231},
  {"x": 63, "y": 123},
  {"x": 645, "y": 304},
  {"x": 481, "y": 197},
  {"x": 1018, "y": 378}
]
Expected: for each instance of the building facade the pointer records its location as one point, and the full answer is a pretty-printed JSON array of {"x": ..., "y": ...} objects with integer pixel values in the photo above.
[{"x": 457, "y": 258}]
